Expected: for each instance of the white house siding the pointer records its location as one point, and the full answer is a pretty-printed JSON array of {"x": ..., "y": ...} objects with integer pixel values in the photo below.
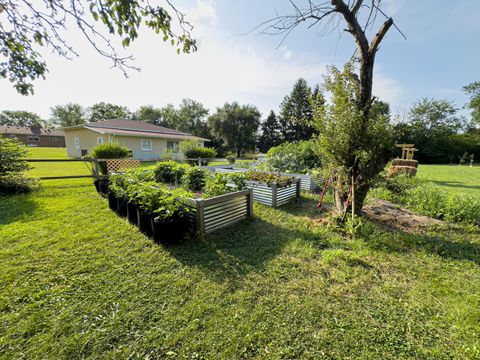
[{"x": 89, "y": 139}]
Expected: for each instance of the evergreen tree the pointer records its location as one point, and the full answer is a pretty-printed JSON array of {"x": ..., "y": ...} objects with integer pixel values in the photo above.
[
  {"x": 271, "y": 135},
  {"x": 296, "y": 113}
]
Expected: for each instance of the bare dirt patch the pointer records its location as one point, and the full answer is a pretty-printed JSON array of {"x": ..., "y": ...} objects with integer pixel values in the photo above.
[{"x": 394, "y": 217}]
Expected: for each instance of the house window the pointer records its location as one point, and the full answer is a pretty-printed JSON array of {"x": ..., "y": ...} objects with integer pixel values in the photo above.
[
  {"x": 100, "y": 140},
  {"x": 172, "y": 145},
  {"x": 33, "y": 138},
  {"x": 53, "y": 138},
  {"x": 146, "y": 144},
  {"x": 77, "y": 143}
]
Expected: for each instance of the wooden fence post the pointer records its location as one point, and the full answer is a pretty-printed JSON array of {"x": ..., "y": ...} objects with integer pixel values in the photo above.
[
  {"x": 96, "y": 169},
  {"x": 199, "y": 161}
]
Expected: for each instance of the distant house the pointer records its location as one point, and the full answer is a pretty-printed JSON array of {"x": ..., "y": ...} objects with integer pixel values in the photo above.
[
  {"x": 146, "y": 141},
  {"x": 34, "y": 135}
]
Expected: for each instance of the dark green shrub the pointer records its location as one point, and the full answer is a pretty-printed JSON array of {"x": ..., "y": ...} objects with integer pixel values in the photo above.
[
  {"x": 13, "y": 179},
  {"x": 231, "y": 159},
  {"x": 293, "y": 157},
  {"x": 170, "y": 172},
  {"x": 17, "y": 183},
  {"x": 192, "y": 150},
  {"x": 11, "y": 154},
  {"x": 109, "y": 151},
  {"x": 194, "y": 178}
]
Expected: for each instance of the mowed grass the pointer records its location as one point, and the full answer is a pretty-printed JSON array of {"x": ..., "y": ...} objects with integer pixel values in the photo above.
[
  {"x": 43, "y": 169},
  {"x": 463, "y": 180},
  {"x": 78, "y": 282},
  {"x": 47, "y": 153}
]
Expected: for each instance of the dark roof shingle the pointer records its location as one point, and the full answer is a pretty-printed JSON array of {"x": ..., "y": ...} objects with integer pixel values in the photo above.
[{"x": 16, "y": 130}]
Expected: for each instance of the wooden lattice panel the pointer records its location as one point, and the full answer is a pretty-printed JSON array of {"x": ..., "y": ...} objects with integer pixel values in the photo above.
[{"x": 121, "y": 164}]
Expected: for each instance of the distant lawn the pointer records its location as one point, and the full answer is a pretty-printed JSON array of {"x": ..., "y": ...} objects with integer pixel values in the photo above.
[
  {"x": 47, "y": 153},
  {"x": 453, "y": 178}
]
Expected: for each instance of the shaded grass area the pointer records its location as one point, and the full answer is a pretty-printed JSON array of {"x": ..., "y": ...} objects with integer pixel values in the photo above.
[
  {"x": 76, "y": 281},
  {"x": 456, "y": 179}
]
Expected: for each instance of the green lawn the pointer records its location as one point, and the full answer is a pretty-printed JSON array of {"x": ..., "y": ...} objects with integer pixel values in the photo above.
[
  {"x": 41, "y": 169},
  {"x": 76, "y": 281},
  {"x": 463, "y": 180},
  {"x": 47, "y": 153}
]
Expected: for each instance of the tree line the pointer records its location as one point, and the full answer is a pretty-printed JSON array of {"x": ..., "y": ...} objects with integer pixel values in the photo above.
[
  {"x": 231, "y": 128},
  {"x": 435, "y": 126}
]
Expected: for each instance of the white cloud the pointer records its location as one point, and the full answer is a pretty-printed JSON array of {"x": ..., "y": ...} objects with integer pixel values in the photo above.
[
  {"x": 388, "y": 89},
  {"x": 224, "y": 68}
]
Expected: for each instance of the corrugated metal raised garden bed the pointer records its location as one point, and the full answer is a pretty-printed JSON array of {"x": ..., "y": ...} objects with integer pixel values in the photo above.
[
  {"x": 271, "y": 194},
  {"x": 274, "y": 195},
  {"x": 167, "y": 211},
  {"x": 308, "y": 182},
  {"x": 208, "y": 215}
]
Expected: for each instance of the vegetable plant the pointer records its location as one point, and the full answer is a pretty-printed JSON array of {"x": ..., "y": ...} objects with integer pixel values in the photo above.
[
  {"x": 269, "y": 178},
  {"x": 194, "y": 178},
  {"x": 170, "y": 172},
  {"x": 219, "y": 184}
]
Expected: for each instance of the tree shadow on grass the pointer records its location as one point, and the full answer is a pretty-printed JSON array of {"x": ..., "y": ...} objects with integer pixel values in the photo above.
[
  {"x": 231, "y": 253},
  {"x": 440, "y": 244},
  {"x": 16, "y": 207},
  {"x": 455, "y": 184}
]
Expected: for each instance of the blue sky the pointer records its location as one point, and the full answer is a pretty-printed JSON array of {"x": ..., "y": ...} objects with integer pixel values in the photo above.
[{"x": 441, "y": 54}]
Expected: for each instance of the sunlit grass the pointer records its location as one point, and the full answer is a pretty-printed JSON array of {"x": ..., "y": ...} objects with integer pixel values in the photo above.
[
  {"x": 463, "y": 180},
  {"x": 77, "y": 281}
]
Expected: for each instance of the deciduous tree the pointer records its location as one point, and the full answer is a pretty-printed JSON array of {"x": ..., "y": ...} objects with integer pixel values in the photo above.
[
  {"x": 20, "y": 118},
  {"x": 70, "y": 114},
  {"x": 28, "y": 26},
  {"x": 237, "y": 125},
  {"x": 473, "y": 90},
  {"x": 105, "y": 111},
  {"x": 359, "y": 18}
]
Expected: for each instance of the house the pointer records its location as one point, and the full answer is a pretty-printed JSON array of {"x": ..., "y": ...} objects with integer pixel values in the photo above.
[
  {"x": 146, "y": 141},
  {"x": 34, "y": 135}
]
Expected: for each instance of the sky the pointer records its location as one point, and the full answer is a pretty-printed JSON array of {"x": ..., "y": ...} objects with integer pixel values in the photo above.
[{"x": 233, "y": 63}]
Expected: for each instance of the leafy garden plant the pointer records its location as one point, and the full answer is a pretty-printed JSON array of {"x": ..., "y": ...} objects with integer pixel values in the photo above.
[
  {"x": 170, "y": 172},
  {"x": 219, "y": 184},
  {"x": 194, "y": 178},
  {"x": 299, "y": 157},
  {"x": 269, "y": 178}
]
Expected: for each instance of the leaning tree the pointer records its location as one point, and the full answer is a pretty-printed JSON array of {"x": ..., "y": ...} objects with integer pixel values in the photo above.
[
  {"x": 28, "y": 25},
  {"x": 360, "y": 17}
]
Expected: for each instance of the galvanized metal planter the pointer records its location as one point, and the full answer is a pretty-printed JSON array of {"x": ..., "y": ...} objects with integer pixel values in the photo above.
[
  {"x": 274, "y": 195},
  {"x": 308, "y": 182},
  {"x": 208, "y": 215}
]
